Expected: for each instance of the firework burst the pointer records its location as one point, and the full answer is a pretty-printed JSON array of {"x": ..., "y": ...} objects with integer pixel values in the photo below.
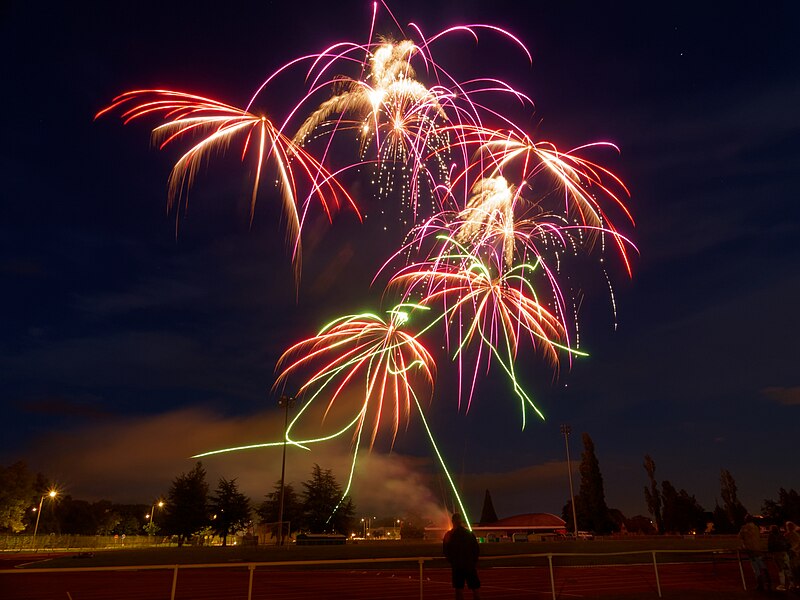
[
  {"x": 188, "y": 115},
  {"x": 483, "y": 256},
  {"x": 488, "y": 306},
  {"x": 373, "y": 354}
]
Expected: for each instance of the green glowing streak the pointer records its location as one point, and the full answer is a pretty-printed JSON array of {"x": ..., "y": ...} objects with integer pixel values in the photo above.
[
  {"x": 250, "y": 447},
  {"x": 516, "y": 273},
  {"x": 326, "y": 377},
  {"x": 441, "y": 462},
  {"x": 509, "y": 369},
  {"x": 360, "y": 430},
  {"x": 298, "y": 443}
]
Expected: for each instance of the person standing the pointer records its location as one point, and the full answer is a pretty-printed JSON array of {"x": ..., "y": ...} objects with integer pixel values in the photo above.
[
  {"x": 778, "y": 547},
  {"x": 793, "y": 537},
  {"x": 461, "y": 550},
  {"x": 750, "y": 536}
]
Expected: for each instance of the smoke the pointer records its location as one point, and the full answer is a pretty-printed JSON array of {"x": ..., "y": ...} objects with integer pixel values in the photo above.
[{"x": 135, "y": 460}]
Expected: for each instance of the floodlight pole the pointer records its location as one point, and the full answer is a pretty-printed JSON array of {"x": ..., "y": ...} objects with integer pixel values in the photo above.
[
  {"x": 286, "y": 402},
  {"x": 565, "y": 431}
]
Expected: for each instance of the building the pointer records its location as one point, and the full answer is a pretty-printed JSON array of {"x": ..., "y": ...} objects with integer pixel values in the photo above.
[{"x": 520, "y": 528}]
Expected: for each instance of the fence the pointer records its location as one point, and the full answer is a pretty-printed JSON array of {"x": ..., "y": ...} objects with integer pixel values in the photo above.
[
  {"x": 15, "y": 543},
  {"x": 583, "y": 558}
]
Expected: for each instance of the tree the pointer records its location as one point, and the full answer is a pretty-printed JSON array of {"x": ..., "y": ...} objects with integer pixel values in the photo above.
[
  {"x": 652, "y": 495},
  {"x": 187, "y": 510},
  {"x": 682, "y": 513},
  {"x": 786, "y": 508},
  {"x": 324, "y": 507},
  {"x": 106, "y": 517},
  {"x": 16, "y": 492},
  {"x": 230, "y": 509},
  {"x": 129, "y": 519},
  {"x": 292, "y": 508},
  {"x": 641, "y": 524},
  {"x": 590, "y": 504},
  {"x": 720, "y": 520},
  {"x": 734, "y": 510},
  {"x": 76, "y": 517},
  {"x": 488, "y": 514}
]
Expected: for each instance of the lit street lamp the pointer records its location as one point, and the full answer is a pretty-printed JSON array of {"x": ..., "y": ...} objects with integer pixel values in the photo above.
[
  {"x": 565, "y": 431},
  {"x": 286, "y": 402},
  {"x": 367, "y": 525},
  {"x": 159, "y": 504},
  {"x": 52, "y": 494}
]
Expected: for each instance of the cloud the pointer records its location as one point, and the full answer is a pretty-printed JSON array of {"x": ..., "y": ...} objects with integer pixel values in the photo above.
[
  {"x": 788, "y": 396},
  {"x": 136, "y": 459},
  {"x": 150, "y": 294},
  {"x": 83, "y": 407}
]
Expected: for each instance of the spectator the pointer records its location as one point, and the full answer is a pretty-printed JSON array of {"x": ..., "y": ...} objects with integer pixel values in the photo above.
[
  {"x": 751, "y": 543},
  {"x": 461, "y": 551}
]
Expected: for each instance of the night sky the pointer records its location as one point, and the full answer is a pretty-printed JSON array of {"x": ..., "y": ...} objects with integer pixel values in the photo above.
[{"x": 125, "y": 348}]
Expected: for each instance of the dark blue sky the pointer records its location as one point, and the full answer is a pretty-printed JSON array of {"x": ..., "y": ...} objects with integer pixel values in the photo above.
[{"x": 125, "y": 348}]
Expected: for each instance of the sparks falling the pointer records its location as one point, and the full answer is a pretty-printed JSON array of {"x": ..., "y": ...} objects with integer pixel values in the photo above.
[{"x": 490, "y": 217}]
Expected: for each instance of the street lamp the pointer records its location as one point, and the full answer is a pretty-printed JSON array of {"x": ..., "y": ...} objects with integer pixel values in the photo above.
[
  {"x": 52, "y": 494},
  {"x": 286, "y": 402},
  {"x": 367, "y": 521},
  {"x": 565, "y": 431},
  {"x": 160, "y": 504}
]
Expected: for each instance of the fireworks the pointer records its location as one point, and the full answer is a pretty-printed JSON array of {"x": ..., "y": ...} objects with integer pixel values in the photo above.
[
  {"x": 371, "y": 353},
  {"x": 491, "y": 218},
  {"x": 188, "y": 114},
  {"x": 490, "y": 306}
]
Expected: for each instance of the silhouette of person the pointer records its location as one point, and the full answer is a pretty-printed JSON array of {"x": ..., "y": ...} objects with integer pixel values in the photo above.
[
  {"x": 461, "y": 551},
  {"x": 751, "y": 542},
  {"x": 793, "y": 537},
  {"x": 778, "y": 547}
]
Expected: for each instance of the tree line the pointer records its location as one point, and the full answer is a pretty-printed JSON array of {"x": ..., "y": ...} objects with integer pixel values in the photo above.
[
  {"x": 190, "y": 508},
  {"x": 671, "y": 510},
  {"x": 317, "y": 506}
]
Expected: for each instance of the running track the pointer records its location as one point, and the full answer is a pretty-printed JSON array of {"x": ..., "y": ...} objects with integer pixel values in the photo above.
[{"x": 505, "y": 583}]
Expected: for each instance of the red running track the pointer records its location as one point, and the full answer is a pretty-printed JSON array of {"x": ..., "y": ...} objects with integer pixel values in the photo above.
[{"x": 507, "y": 583}]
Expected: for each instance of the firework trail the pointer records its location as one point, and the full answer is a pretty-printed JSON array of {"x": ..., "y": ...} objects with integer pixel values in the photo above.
[
  {"x": 484, "y": 258},
  {"x": 578, "y": 184},
  {"x": 389, "y": 108},
  {"x": 490, "y": 211},
  {"x": 187, "y": 115},
  {"x": 371, "y": 357},
  {"x": 491, "y": 307}
]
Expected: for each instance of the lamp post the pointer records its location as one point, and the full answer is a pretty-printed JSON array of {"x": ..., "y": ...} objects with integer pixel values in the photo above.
[
  {"x": 565, "y": 431},
  {"x": 159, "y": 504},
  {"x": 367, "y": 521},
  {"x": 286, "y": 402},
  {"x": 51, "y": 494}
]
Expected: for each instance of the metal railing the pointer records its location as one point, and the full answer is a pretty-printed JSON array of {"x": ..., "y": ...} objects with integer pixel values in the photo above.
[{"x": 420, "y": 560}]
